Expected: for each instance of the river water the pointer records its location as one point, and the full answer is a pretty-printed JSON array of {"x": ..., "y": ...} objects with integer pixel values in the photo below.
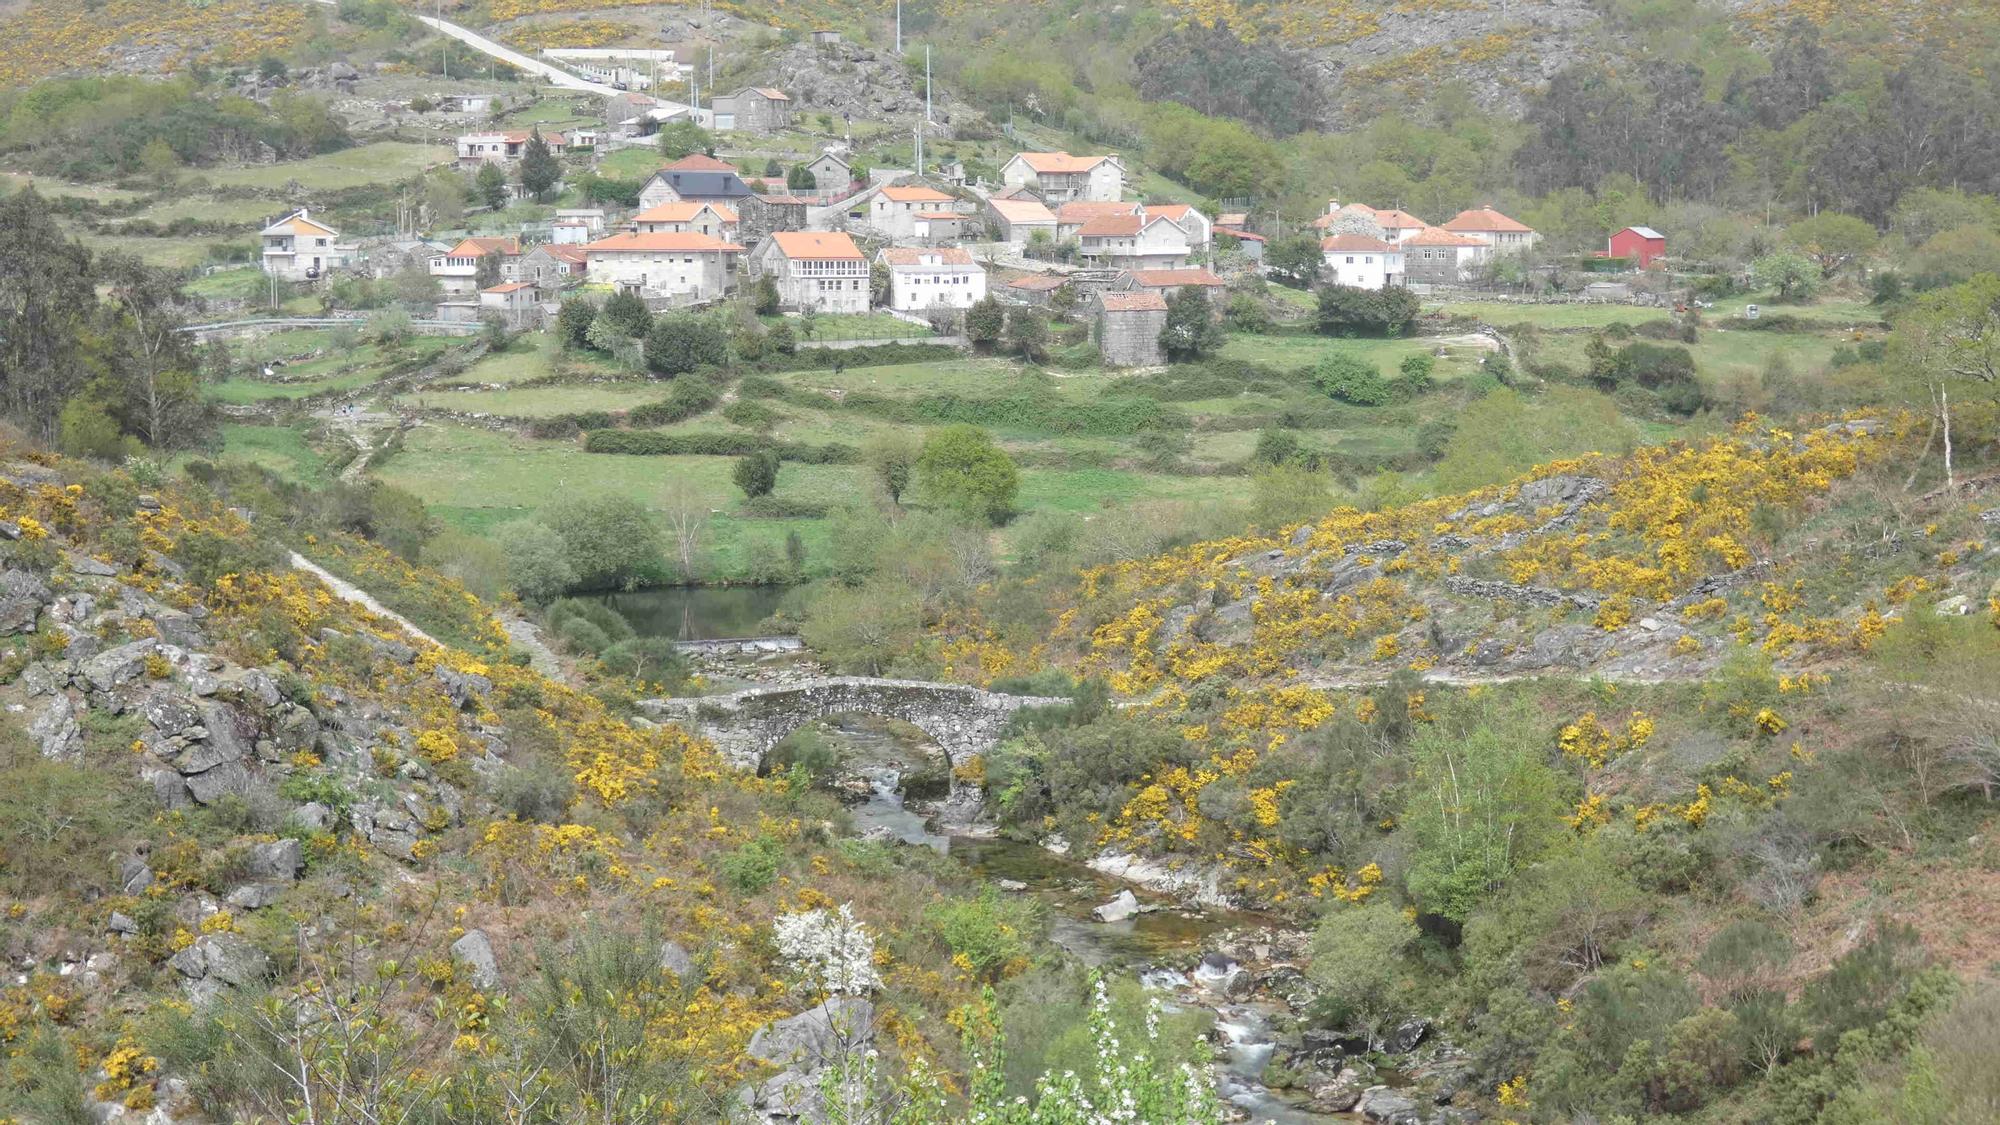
[
  {"x": 697, "y": 613},
  {"x": 1163, "y": 948}
]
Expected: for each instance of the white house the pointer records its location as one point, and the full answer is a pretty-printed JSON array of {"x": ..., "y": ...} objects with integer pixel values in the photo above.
[
  {"x": 299, "y": 247},
  {"x": 819, "y": 270},
  {"x": 1362, "y": 262},
  {"x": 712, "y": 219},
  {"x": 1504, "y": 235},
  {"x": 940, "y": 277},
  {"x": 501, "y": 146},
  {"x": 457, "y": 269},
  {"x": 514, "y": 302},
  {"x": 1019, "y": 219},
  {"x": 1060, "y": 177},
  {"x": 894, "y": 210},
  {"x": 1072, "y": 217},
  {"x": 591, "y": 217},
  {"x": 664, "y": 265},
  {"x": 1190, "y": 219},
  {"x": 1133, "y": 242}
]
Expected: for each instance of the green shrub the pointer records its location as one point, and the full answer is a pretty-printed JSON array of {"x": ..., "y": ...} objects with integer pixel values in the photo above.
[
  {"x": 753, "y": 866},
  {"x": 652, "y": 659},
  {"x": 988, "y": 931},
  {"x": 1350, "y": 380}
]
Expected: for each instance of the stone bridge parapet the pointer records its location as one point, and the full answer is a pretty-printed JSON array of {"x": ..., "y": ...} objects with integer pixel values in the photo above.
[{"x": 745, "y": 725}]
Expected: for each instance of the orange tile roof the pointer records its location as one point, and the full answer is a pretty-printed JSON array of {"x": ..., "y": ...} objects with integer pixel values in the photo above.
[
  {"x": 480, "y": 247},
  {"x": 699, "y": 162},
  {"x": 1021, "y": 211},
  {"x": 815, "y": 244},
  {"x": 772, "y": 93},
  {"x": 683, "y": 212},
  {"x": 1485, "y": 218},
  {"x": 1355, "y": 243},
  {"x": 1083, "y": 211},
  {"x": 1168, "y": 279},
  {"x": 916, "y": 193},
  {"x": 298, "y": 223},
  {"x": 509, "y": 287},
  {"x": 915, "y": 255},
  {"x": 1398, "y": 220},
  {"x": 519, "y": 136},
  {"x": 1438, "y": 236},
  {"x": 1112, "y": 226},
  {"x": 1037, "y": 282},
  {"x": 1147, "y": 300},
  {"x": 572, "y": 254},
  {"x": 1060, "y": 161},
  {"x": 935, "y": 215},
  {"x": 671, "y": 241},
  {"x": 1172, "y": 211}
]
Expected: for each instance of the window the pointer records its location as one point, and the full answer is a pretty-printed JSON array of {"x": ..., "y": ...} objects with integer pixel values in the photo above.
[{"x": 1350, "y": 260}]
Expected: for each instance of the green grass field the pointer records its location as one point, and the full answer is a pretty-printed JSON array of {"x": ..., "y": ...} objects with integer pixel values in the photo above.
[
  {"x": 537, "y": 402},
  {"x": 282, "y": 449},
  {"x": 375, "y": 163}
]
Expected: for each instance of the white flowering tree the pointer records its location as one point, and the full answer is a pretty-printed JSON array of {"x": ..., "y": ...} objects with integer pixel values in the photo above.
[{"x": 830, "y": 950}]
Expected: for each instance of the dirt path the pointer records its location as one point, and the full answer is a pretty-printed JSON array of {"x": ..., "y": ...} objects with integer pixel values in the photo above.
[{"x": 348, "y": 591}]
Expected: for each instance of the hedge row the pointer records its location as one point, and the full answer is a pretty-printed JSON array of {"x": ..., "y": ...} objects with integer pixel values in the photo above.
[{"x": 654, "y": 443}]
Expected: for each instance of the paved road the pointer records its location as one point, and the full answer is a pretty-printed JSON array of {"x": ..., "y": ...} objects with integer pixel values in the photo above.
[{"x": 556, "y": 75}]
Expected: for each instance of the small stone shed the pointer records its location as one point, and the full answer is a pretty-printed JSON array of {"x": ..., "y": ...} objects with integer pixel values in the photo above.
[{"x": 1128, "y": 328}]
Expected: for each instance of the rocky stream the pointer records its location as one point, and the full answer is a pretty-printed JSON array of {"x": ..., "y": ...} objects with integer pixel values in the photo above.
[{"x": 1242, "y": 968}]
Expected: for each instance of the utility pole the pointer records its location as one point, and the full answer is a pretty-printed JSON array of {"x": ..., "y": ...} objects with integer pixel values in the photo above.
[
  {"x": 444, "y": 42},
  {"x": 899, "y": 27},
  {"x": 927, "y": 83}
]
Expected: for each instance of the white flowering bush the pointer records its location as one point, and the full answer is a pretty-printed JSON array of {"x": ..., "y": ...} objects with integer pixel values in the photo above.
[
  {"x": 1124, "y": 1088},
  {"x": 831, "y": 951}
]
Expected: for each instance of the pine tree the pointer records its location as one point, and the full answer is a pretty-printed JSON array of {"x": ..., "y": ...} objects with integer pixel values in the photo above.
[{"x": 540, "y": 171}]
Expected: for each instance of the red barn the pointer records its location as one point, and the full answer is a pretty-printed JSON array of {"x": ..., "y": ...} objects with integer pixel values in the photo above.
[{"x": 1641, "y": 244}]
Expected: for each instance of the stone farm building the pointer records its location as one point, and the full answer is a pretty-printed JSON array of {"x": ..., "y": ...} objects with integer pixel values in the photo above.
[
  {"x": 1019, "y": 219},
  {"x": 753, "y": 109},
  {"x": 1169, "y": 283},
  {"x": 1035, "y": 288},
  {"x": 830, "y": 173},
  {"x": 819, "y": 270},
  {"x": 1129, "y": 324},
  {"x": 552, "y": 266},
  {"x": 1438, "y": 257},
  {"x": 923, "y": 278},
  {"x": 685, "y": 265},
  {"x": 764, "y": 215},
  {"x": 713, "y": 219},
  {"x": 1059, "y": 177},
  {"x": 693, "y": 179}
]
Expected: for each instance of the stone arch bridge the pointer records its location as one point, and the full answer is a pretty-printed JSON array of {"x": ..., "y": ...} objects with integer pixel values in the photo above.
[{"x": 745, "y": 725}]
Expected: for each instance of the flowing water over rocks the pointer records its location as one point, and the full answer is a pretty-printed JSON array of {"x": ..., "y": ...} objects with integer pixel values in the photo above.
[{"x": 1168, "y": 948}]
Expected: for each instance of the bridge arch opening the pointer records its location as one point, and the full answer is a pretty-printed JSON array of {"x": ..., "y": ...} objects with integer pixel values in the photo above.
[{"x": 860, "y": 753}]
